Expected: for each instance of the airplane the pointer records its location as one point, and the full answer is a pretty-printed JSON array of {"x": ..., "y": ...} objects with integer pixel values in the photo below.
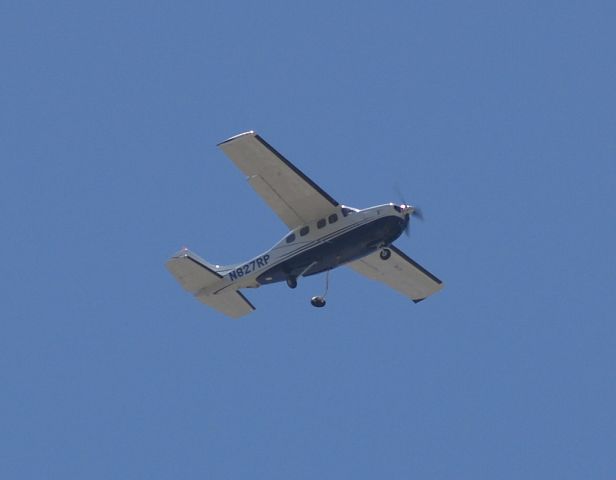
[{"x": 324, "y": 235}]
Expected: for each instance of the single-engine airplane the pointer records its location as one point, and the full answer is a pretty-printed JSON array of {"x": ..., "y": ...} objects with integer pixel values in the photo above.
[{"x": 324, "y": 235}]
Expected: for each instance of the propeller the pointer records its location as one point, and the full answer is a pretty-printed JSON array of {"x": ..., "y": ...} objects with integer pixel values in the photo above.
[
  {"x": 417, "y": 212},
  {"x": 414, "y": 211}
]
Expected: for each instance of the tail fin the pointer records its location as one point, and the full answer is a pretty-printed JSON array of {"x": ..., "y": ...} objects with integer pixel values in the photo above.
[{"x": 196, "y": 275}]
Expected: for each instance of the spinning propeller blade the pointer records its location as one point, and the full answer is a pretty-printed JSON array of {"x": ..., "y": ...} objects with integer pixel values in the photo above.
[{"x": 418, "y": 213}]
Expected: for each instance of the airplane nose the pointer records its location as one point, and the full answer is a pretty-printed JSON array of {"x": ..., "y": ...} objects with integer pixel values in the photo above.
[{"x": 406, "y": 209}]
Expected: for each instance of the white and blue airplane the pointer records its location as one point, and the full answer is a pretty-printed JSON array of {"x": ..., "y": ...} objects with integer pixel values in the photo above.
[{"x": 324, "y": 235}]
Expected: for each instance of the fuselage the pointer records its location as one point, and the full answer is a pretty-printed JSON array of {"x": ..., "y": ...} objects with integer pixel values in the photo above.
[{"x": 320, "y": 245}]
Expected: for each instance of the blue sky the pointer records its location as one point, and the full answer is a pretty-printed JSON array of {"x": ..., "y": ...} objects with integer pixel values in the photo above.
[{"x": 497, "y": 118}]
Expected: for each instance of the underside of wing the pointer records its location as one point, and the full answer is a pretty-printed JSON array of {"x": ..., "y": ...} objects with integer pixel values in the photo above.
[
  {"x": 287, "y": 190},
  {"x": 400, "y": 272}
]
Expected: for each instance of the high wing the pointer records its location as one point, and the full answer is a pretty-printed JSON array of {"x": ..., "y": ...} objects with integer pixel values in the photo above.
[
  {"x": 292, "y": 195},
  {"x": 400, "y": 272}
]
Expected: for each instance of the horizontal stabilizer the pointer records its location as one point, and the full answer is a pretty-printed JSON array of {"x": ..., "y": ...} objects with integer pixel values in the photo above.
[
  {"x": 230, "y": 302},
  {"x": 198, "y": 277},
  {"x": 193, "y": 273}
]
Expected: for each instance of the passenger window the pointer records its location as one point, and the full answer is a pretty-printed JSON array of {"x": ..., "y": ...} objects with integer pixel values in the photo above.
[
  {"x": 291, "y": 238},
  {"x": 333, "y": 218},
  {"x": 304, "y": 231},
  {"x": 321, "y": 223}
]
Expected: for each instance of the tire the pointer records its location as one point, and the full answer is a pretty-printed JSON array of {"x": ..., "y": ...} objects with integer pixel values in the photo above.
[
  {"x": 318, "y": 302},
  {"x": 385, "y": 254}
]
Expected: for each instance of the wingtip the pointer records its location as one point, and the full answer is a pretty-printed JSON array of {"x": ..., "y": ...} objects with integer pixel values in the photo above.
[{"x": 251, "y": 133}]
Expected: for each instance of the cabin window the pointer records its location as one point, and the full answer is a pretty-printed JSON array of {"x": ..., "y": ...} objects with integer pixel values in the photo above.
[
  {"x": 321, "y": 223},
  {"x": 304, "y": 231},
  {"x": 332, "y": 218},
  {"x": 291, "y": 238}
]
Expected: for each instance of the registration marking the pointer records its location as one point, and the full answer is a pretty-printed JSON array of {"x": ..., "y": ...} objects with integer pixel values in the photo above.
[{"x": 249, "y": 267}]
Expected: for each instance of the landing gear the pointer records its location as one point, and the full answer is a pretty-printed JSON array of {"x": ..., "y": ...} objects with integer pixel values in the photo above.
[
  {"x": 292, "y": 282},
  {"x": 385, "y": 254},
  {"x": 319, "y": 301}
]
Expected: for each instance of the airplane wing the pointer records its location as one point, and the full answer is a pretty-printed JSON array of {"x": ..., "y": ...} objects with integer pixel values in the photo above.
[
  {"x": 292, "y": 195},
  {"x": 400, "y": 272}
]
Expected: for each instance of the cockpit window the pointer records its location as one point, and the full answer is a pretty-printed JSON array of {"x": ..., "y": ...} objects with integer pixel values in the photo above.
[
  {"x": 291, "y": 238},
  {"x": 304, "y": 231},
  {"x": 321, "y": 223},
  {"x": 346, "y": 211},
  {"x": 332, "y": 218}
]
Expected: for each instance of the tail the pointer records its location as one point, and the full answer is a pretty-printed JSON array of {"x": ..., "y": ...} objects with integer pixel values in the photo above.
[{"x": 199, "y": 277}]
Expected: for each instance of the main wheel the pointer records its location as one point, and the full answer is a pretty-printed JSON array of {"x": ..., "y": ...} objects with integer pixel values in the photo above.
[
  {"x": 317, "y": 302},
  {"x": 385, "y": 254},
  {"x": 292, "y": 282}
]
